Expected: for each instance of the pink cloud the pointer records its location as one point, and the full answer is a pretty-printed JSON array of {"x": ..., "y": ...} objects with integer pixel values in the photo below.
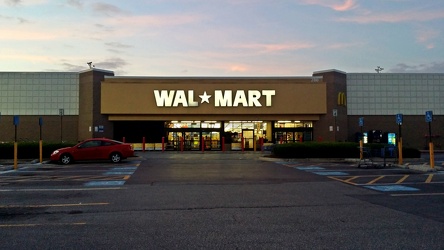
[
  {"x": 426, "y": 36},
  {"x": 338, "y": 5},
  {"x": 269, "y": 48},
  {"x": 238, "y": 68},
  {"x": 347, "y": 5},
  {"x": 343, "y": 45}
]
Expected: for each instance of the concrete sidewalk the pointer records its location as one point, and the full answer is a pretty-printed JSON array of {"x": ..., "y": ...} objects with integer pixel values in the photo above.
[{"x": 418, "y": 164}]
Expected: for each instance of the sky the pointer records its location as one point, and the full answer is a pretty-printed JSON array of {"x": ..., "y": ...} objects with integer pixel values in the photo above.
[{"x": 222, "y": 37}]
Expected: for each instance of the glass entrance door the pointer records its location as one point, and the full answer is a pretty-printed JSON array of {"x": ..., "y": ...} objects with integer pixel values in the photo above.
[
  {"x": 192, "y": 140},
  {"x": 248, "y": 135},
  {"x": 211, "y": 140},
  {"x": 173, "y": 142}
]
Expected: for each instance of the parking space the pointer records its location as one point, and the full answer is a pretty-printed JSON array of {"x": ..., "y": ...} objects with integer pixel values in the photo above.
[
  {"x": 390, "y": 179},
  {"x": 88, "y": 174}
]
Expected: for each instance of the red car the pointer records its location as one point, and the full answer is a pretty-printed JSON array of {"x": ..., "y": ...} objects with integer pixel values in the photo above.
[{"x": 94, "y": 149}]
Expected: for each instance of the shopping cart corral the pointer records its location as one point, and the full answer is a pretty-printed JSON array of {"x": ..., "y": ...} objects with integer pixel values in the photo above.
[{"x": 377, "y": 157}]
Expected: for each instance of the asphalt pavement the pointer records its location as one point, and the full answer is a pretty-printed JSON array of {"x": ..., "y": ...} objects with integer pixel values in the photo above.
[{"x": 214, "y": 200}]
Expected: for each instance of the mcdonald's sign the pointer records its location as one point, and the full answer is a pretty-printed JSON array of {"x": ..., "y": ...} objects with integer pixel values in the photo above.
[{"x": 342, "y": 99}]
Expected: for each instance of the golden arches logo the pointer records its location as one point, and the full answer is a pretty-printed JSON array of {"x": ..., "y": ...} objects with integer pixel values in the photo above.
[{"x": 342, "y": 99}]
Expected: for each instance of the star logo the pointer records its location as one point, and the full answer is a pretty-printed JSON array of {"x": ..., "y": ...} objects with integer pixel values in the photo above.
[{"x": 205, "y": 97}]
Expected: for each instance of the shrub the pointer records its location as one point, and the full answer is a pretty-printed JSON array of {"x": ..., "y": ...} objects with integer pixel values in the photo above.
[{"x": 334, "y": 150}]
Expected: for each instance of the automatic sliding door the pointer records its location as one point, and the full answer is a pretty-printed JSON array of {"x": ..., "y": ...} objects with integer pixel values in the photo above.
[
  {"x": 192, "y": 140},
  {"x": 211, "y": 140},
  {"x": 248, "y": 135}
]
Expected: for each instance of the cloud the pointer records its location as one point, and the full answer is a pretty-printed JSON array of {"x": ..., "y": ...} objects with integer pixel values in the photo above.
[
  {"x": 112, "y": 63},
  {"x": 23, "y": 3},
  {"x": 433, "y": 67},
  {"x": 270, "y": 48},
  {"x": 72, "y": 67},
  {"x": 154, "y": 20},
  {"x": 75, "y": 3},
  {"x": 13, "y": 2},
  {"x": 109, "y": 64},
  {"x": 118, "y": 45},
  {"x": 108, "y": 9},
  {"x": 238, "y": 68},
  {"x": 403, "y": 16},
  {"x": 426, "y": 36},
  {"x": 344, "y": 45},
  {"x": 338, "y": 5},
  {"x": 20, "y": 20}
]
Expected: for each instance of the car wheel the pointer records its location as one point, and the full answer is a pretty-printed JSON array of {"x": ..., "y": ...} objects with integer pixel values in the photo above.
[
  {"x": 66, "y": 159},
  {"x": 116, "y": 157}
]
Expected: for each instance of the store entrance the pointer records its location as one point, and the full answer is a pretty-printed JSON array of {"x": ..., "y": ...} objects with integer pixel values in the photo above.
[
  {"x": 192, "y": 140},
  {"x": 211, "y": 140},
  {"x": 248, "y": 135}
]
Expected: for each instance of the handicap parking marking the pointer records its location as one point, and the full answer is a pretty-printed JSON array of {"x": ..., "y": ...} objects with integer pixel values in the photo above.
[
  {"x": 125, "y": 168},
  {"x": 330, "y": 173},
  {"x": 103, "y": 183},
  {"x": 122, "y": 170},
  {"x": 391, "y": 188},
  {"x": 310, "y": 168},
  {"x": 118, "y": 173}
]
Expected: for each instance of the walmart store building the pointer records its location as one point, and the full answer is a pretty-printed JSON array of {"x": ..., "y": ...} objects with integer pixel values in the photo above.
[{"x": 330, "y": 105}]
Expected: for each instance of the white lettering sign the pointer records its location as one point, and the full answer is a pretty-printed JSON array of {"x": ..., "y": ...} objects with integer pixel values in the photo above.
[{"x": 222, "y": 98}]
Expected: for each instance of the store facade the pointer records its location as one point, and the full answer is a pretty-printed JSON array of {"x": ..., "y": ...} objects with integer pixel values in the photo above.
[{"x": 212, "y": 112}]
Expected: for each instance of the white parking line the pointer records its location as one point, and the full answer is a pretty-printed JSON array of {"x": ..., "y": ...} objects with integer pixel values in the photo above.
[{"x": 60, "y": 189}]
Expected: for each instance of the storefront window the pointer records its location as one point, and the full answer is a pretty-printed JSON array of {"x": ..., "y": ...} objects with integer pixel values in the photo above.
[
  {"x": 210, "y": 124},
  {"x": 192, "y": 124},
  {"x": 237, "y": 128},
  {"x": 293, "y": 124}
]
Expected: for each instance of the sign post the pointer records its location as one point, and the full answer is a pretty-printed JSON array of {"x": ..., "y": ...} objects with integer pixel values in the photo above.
[
  {"x": 399, "y": 119},
  {"x": 40, "y": 141},
  {"x": 429, "y": 119},
  {"x": 361, "y": 140},
  {"x": 16, "y": 123},
  {"x": 335, "y": 115}
]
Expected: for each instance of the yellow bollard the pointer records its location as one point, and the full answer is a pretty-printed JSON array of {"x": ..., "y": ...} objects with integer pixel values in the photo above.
[
  {"x": 432, "y": 155},
  {"x": 400, "y": 151},
  {"x": 15, "y": 155},
  {"x": 41, "y": 151},
  {"x": 361, "y": 149}
]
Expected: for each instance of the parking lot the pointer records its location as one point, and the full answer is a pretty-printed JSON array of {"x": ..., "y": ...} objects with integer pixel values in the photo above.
[{"x": 220, "y": 200}]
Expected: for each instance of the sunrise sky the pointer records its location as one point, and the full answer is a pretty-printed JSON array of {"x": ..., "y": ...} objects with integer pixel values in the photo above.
[{"x": 222, "y": 37}]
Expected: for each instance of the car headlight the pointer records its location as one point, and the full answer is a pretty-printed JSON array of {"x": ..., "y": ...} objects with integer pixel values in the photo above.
[{"x": 55, "y": 152}]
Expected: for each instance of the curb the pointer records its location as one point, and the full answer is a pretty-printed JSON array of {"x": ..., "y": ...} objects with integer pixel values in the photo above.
[{"x": 414, "y": 165}]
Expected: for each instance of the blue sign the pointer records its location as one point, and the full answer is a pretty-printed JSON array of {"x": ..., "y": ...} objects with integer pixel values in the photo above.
[
  {"x": 429, "y": 116},
  {"x": 399, "y": 119},
  {"x": 361, "y": 121},
  {"x": 16, "y": 120},
  {"x": 40, "y": 121}
]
